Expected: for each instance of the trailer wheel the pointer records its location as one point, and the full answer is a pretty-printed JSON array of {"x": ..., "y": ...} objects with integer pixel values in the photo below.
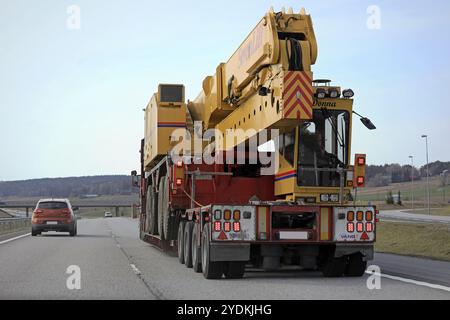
[
  {"x": 161, "y": 206},
  {"x": 211, "y": 270},
  {"x": 234, "y": 269},
  {"x": 356, "y": 267},
  {"x": 151, "y": 217},
  {"x": 196, "y": 250},
  {"x": 334, "y": 267},
  {"x": 180, "y": 240},
  {"x": 188, "y": 244}
]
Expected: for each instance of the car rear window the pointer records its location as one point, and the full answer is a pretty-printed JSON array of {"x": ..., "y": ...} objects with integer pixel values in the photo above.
[{"x": 52, "y": 205}]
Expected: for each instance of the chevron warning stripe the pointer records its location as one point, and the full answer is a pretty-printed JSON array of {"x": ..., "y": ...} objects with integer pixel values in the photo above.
[{"x": 297, "y": 95}]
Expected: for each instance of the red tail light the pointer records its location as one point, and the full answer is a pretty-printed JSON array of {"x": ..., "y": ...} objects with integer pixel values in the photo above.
[
  {"x": 38, "y": 211},
  {"x": 350, "y": 227},
  {"x": 236, "y": 226},
  {"x": 217, "y": 226},
  {"x": 227, "y": 226},
  {"x": 369, "y": 227},
  {"x": 360, "y": 227},
  {"x": 360, "y": 181}
]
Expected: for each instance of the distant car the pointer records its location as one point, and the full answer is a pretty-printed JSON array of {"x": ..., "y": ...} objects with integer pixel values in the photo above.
[
  {"x": 54, "y": 215},
  {"x": 108, "y": 214}
]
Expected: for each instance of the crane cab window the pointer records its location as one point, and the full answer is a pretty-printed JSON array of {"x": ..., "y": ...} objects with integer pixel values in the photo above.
[{"x": 323, "y": 147}]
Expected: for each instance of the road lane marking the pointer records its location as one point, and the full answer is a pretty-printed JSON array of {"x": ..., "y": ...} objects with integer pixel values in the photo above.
[
  {"x": 418, "y": 283},
  {"x": 15, "y": 238},
  {"x": 135, "y": 269}
]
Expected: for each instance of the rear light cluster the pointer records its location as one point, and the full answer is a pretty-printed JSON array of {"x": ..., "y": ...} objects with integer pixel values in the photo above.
[
  {"x": 227, "y": 224},
  {"x": 360, "y": 225}
]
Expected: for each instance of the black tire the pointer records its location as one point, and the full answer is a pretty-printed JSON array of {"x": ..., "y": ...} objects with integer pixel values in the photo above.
[
  {"x": 165, "y": 214},
  {"x": 151, "y": 216},
  {"x": 356, "y": 267},
  {"x": 196, "y": 250},
  {"x": 210, "y": 269},
  {"x": 180, "y": 242},
  {"x": 234, "y": 269},
  {"x": 334, "y": 267},
  {"x": 34, "y": 233},
  {"x": 161, "y": 190},
  {"x": 188, "y": 243}
]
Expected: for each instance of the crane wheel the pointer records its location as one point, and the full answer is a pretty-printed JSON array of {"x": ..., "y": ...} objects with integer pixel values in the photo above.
[
  {"x": 180, "y": 241},
  {"x": 151, "y": 218},
  {"x": 188, "y": 243},
  {"x": 334, "y": 267},
  {"x": 211, "y": 269},
  {"x": 161, "y": 207},
  {"x": 356, "y": 267},
  {"x": 196, "y": 250},
  {"x": 234, "y": 269}
]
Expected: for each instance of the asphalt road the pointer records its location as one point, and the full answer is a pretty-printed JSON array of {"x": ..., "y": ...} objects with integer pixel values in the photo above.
[
  {"x": 115, "y": 264},
  {"x": 399, "y": 215}
]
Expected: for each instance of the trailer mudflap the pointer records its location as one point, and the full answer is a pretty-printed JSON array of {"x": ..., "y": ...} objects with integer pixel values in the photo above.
[
  {"x": 346, "y": 249},
  {"x": 229, "y": 251}
]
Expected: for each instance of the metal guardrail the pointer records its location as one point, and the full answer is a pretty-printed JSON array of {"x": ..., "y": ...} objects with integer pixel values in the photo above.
[{"x": 12, "y": 224}]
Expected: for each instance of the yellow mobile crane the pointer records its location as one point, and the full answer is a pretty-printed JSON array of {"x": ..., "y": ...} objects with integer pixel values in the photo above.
[{"x": 223, "y": 215}]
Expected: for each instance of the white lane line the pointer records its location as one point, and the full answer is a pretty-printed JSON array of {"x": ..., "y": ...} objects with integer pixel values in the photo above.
[
  {"x": 418, "y": 283},
  {"x": 135, "y": 270},
  {"x": 15, "y": 238}
]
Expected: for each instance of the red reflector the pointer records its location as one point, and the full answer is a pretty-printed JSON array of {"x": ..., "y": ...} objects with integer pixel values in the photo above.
[
  {"x": 364, "y": 236},
  {"x": 179, "y": 164},
  {"x": 237, "y": 226},
  {"x": 217, "y": 226},
  {"x": 369, "y": 227},
  {"x": 360, "y": 227},
  {"x": 227, "y": 226},
  {"x": 222, "y": 236},
  {"x": 377, "y": 220},
  {"x": 350, "y": 227}
]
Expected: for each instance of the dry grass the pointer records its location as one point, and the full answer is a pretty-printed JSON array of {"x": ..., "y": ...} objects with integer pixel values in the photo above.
[
  {"x": 423, "y": 240},
  {"x": 444, "y": 211}
]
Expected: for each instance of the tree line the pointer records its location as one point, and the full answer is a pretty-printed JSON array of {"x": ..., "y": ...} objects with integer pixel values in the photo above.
[
  {"x": 68, "y": 187},
  {"x": 383, "y": 175}
]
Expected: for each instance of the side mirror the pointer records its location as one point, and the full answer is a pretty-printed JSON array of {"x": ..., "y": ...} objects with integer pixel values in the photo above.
[
  {"x": 75, "y": 208},
  {"x": 134, "y": 179},
  {"x": 369, "y": 125}
]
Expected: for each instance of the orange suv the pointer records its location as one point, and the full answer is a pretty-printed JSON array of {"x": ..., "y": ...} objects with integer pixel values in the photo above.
[{"x": 54, "y": 215}]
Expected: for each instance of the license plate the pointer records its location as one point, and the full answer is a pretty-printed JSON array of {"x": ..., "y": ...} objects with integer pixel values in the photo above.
[
  {"x": 293, "y": 235},
  {"x": 52, "y": 222}
]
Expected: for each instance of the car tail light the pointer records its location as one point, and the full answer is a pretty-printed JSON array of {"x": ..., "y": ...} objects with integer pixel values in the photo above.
[
  {"x": 227, "y": 214},
  {"x": 38, "y": 211},
  {"x": 350, "y": 227},
  {"x": 227, "y": 226},
  {"x": 369, "y": 216},
  {"x": 350, "y": 216},
  {"x": 236, "y": 226},
  {"x": 236, "y": 215},
  {"x": 360, "y": 227},
  {"x": 360, "y": 216},
  {"x": 217, "y": 226},
  {"x": 369, "y": 227}
]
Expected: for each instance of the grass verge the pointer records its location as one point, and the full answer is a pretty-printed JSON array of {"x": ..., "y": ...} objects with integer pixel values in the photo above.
[{"x": 413, "y": 239}]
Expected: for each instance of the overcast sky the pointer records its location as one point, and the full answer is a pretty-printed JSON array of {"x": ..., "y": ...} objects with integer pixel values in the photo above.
[{"x": 71, "y": 100}]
